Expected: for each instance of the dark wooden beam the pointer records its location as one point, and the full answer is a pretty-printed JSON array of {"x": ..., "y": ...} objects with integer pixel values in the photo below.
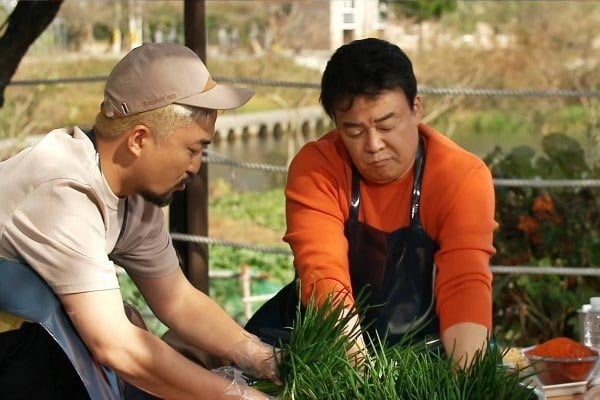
[{"x": 189, "y": 210}]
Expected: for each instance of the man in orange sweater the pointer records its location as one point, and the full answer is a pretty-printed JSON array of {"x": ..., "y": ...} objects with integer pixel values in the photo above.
[{"x": 385, "y": 202}]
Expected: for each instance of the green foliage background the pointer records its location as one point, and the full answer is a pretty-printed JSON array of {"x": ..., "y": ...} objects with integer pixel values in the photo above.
[
  {"x": 552, "y": 48},
  {"x": 563, "y": 230},
  {"x": 538, "y": 227},
  {"x": 265, "y": 209},
  {"x": 546, "y": 227}
]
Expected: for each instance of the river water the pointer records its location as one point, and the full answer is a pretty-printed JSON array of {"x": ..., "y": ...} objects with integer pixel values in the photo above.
[
  {"x": 274, "y": 151},
  {"x": 268, "y": 150}
]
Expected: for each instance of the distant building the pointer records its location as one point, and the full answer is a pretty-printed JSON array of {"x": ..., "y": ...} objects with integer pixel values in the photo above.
[
  {"x": 331, "y": 23},
  {"x": 354, "y": 19}
]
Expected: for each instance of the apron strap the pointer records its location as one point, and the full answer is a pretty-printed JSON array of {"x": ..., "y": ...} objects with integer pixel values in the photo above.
[
  {"x": 25, "y": 294},
  {"x": 355, "y": 199},
  {"x": 415, "y": 218},
  {"x": 419, "y": 167}
]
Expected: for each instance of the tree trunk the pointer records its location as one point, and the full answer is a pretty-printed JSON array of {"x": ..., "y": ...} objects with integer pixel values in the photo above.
[{"x": 26, "y": 22}]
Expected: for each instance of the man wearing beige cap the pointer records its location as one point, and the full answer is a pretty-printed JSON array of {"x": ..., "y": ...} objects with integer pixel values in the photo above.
[{"x": 79, "y": 202}]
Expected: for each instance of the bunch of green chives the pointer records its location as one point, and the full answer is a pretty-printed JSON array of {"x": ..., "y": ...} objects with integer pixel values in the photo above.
[{"x": 314, "y": 366}]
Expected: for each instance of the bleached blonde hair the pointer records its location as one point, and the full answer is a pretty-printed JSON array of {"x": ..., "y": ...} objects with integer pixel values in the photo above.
[{"x": 161, "y": 122}]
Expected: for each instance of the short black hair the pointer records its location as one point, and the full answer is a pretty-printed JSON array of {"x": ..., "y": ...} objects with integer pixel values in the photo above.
[{"x": 366, "y": 67}]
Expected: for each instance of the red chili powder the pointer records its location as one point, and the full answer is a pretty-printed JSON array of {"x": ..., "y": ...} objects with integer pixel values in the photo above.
[{"x": 562, "y": 347}]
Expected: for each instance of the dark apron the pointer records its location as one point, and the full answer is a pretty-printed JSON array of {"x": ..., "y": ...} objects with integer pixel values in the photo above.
[
  {"x": 45, "y": 359},
  {"x": 393, "y": 273}
]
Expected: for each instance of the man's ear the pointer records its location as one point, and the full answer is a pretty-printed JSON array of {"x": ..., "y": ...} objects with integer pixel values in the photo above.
[
  {"x": 417, "y": 109},
  {"x": 139, "y": 137}
]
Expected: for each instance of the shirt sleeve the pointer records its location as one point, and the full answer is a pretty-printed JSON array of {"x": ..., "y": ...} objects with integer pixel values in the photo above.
[
  {"x": 59, "y": 231},
  {"x": 315, "y": 226},
  {"x": 146, "y": 248},
  {"x": 463, "y": 283}
]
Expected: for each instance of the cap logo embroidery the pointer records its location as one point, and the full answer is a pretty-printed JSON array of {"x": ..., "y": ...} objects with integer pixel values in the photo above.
[
  {"x": 125, "y": 108},
  {"x": 160, "y": 99}
]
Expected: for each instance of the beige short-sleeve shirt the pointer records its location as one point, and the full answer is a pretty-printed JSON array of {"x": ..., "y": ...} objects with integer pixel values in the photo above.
[{"x": 58, "y": 214}]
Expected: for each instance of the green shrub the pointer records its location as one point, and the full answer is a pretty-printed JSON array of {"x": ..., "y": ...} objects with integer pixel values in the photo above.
[
  {"x": 265, "y": 208},
  {"x": 270, "y": 272},
  {"x": 545, "y": 227}
]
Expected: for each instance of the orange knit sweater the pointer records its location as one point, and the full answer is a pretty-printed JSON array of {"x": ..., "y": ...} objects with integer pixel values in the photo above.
[{"x": 457, "y": 211}]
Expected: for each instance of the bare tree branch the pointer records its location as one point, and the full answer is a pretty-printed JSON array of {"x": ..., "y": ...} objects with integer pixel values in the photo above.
[{"x": 24, "y": 25}]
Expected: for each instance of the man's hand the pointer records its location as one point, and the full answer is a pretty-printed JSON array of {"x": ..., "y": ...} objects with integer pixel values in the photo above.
[
  {"x": 358, "y": 352},
  {"x": 256, "y": 358},
  {"x": 463, "y": 340},
  {"x": 238, "y": 387}
]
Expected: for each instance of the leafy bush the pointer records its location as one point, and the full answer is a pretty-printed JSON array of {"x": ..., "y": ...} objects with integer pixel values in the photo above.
[
  {"x": 546, "y": 227},
  {"x": 277, "y": 267},
  {"x": 270, "y": 273},
  {"x": 265, "y": 208}
]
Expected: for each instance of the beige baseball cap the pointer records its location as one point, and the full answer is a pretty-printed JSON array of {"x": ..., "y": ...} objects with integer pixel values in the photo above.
[{"x": 155, "y": 75}]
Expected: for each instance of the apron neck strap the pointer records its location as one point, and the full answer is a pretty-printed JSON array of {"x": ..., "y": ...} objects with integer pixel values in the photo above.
[
  {"x": 415, "y": 219},
  {"x": 416, "y": 192},
  {"x": 355, "y": 200}
]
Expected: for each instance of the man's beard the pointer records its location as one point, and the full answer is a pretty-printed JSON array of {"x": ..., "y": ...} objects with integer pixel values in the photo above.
[{"x": 160, "y": 200}]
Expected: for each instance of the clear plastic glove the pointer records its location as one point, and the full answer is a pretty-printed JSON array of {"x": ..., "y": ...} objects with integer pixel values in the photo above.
[
  {"x": 255, "y": 357},
  {"x": 358, "y": 353},
  {"x": 239, "y": 387}
]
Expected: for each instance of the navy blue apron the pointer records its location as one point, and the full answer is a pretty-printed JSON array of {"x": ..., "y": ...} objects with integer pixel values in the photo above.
[
  {"x": 394, "y": 272},
  {"x": 46, "y": 342}
]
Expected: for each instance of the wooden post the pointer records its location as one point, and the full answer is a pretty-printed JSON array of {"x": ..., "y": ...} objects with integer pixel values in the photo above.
[{"x": 189, "y": 210}]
